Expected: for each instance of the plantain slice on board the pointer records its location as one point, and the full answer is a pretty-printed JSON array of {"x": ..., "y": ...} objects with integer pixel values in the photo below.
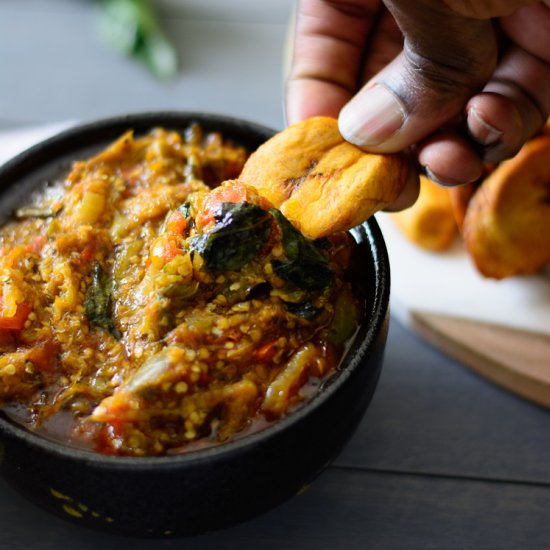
[
  {"x": 321, "y": 183},
  {"x": 507, "y": 224}
]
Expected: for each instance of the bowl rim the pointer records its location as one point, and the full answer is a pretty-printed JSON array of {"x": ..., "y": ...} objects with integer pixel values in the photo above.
[{"x": 65, "y": 141}]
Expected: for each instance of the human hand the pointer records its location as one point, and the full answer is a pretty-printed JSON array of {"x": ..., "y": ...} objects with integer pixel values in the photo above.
[{"x": 470, "y": 82}]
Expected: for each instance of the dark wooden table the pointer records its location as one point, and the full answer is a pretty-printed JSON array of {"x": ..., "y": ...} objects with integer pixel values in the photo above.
[{"x": 443, "y": 459}]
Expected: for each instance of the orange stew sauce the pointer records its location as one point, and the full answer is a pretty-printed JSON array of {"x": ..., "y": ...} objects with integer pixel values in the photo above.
[{"x": 145, "y": 309}]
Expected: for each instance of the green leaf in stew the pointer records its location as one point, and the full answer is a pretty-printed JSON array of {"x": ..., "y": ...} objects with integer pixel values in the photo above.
[
  {"x": 305, "y": 310},
  {"x": 97, "y": 304},
  {"x": 185, "y": 209},
  {"x": 346, "y": 317},
  {"x": 305, "y": 266},
  {"x": 240, "y": 231}
]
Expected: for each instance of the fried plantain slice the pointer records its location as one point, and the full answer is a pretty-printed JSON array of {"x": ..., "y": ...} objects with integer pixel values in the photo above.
[
  {"x": 461, "y": 194},
  {"x": 321, "y": 183},
  {"x": 429, "y": 222},
  {"x": 460, "y": 197},
  {"x": 507, "y": 224}
]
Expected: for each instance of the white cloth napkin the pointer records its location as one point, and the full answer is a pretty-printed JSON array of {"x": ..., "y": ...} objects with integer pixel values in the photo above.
[
  {"x": 13, "y": 142},
  {"x": 448, "y": 283}
]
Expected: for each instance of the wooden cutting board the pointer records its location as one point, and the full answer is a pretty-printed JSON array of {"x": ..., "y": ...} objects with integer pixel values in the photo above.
[
  {"x": 515, "y": 359},
  {"x": 500, "y": 329}
]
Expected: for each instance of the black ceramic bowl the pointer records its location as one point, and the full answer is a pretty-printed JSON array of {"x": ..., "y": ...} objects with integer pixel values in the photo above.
[{"x": 216, "y": 487}]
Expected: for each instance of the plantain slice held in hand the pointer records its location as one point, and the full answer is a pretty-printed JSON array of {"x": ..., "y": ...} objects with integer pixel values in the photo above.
[
  {"x": 321, "y": 183},
  {"x": 507, "y": 224}
]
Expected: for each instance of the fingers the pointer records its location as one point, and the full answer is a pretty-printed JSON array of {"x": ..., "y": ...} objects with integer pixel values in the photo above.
[
  {"x": 385, "y": 44},
  {"x": 446, "y": 59},
  {"x": 449, "y": 159},
  {"x": 408, "y": 195},
  {"x": 529, "y": 29},
  {"x": 516, "y": 102},
  {"x": 507, "y": 114},
  {"x": 488, "y": 8},
  {"x": 447, "y": 69},
  {"x": 328, "y": 47}
]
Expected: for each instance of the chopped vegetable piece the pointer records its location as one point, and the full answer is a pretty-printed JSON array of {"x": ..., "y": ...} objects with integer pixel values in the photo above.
[
  {"x": 17, "y": 321},
  {"x": 176, "y": 223},
  {"x": 98, "y": 301},
  {"x": 306, "y": 310},
  {"x": 35, "y": 212},
  {"x": 233, "y": 191},
  {"x": 185, "y": 209},
  {"x": 163, "y": 249},
  {"x": 346, "y": 318},
  {"x": 289, "y": 379},
  {"x": 266, "y": 352}
]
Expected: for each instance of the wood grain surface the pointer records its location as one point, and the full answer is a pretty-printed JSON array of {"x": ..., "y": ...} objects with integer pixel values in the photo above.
[{"x": 516, "y": 360}]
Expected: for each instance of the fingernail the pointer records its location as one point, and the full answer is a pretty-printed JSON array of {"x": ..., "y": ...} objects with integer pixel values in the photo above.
[
  {"x": 436, "y": 179},
  {"x": 483, "y": 132},
  {"x": 371, "y": 117},
  {"x": 442, "y": 183}
]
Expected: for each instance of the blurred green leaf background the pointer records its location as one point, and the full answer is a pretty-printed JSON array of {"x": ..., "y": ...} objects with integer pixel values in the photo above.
[{"x": 132, "y": 28}]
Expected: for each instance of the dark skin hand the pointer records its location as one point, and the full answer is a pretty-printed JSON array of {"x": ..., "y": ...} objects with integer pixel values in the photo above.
[{"x": 461, "y": 82}]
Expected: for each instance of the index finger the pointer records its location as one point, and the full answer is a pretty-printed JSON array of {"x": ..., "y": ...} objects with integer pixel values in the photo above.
[{"x": 329, "y": 42}]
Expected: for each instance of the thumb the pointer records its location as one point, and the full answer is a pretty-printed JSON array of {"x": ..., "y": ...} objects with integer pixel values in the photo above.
[{"x": 446, "y": 58}]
